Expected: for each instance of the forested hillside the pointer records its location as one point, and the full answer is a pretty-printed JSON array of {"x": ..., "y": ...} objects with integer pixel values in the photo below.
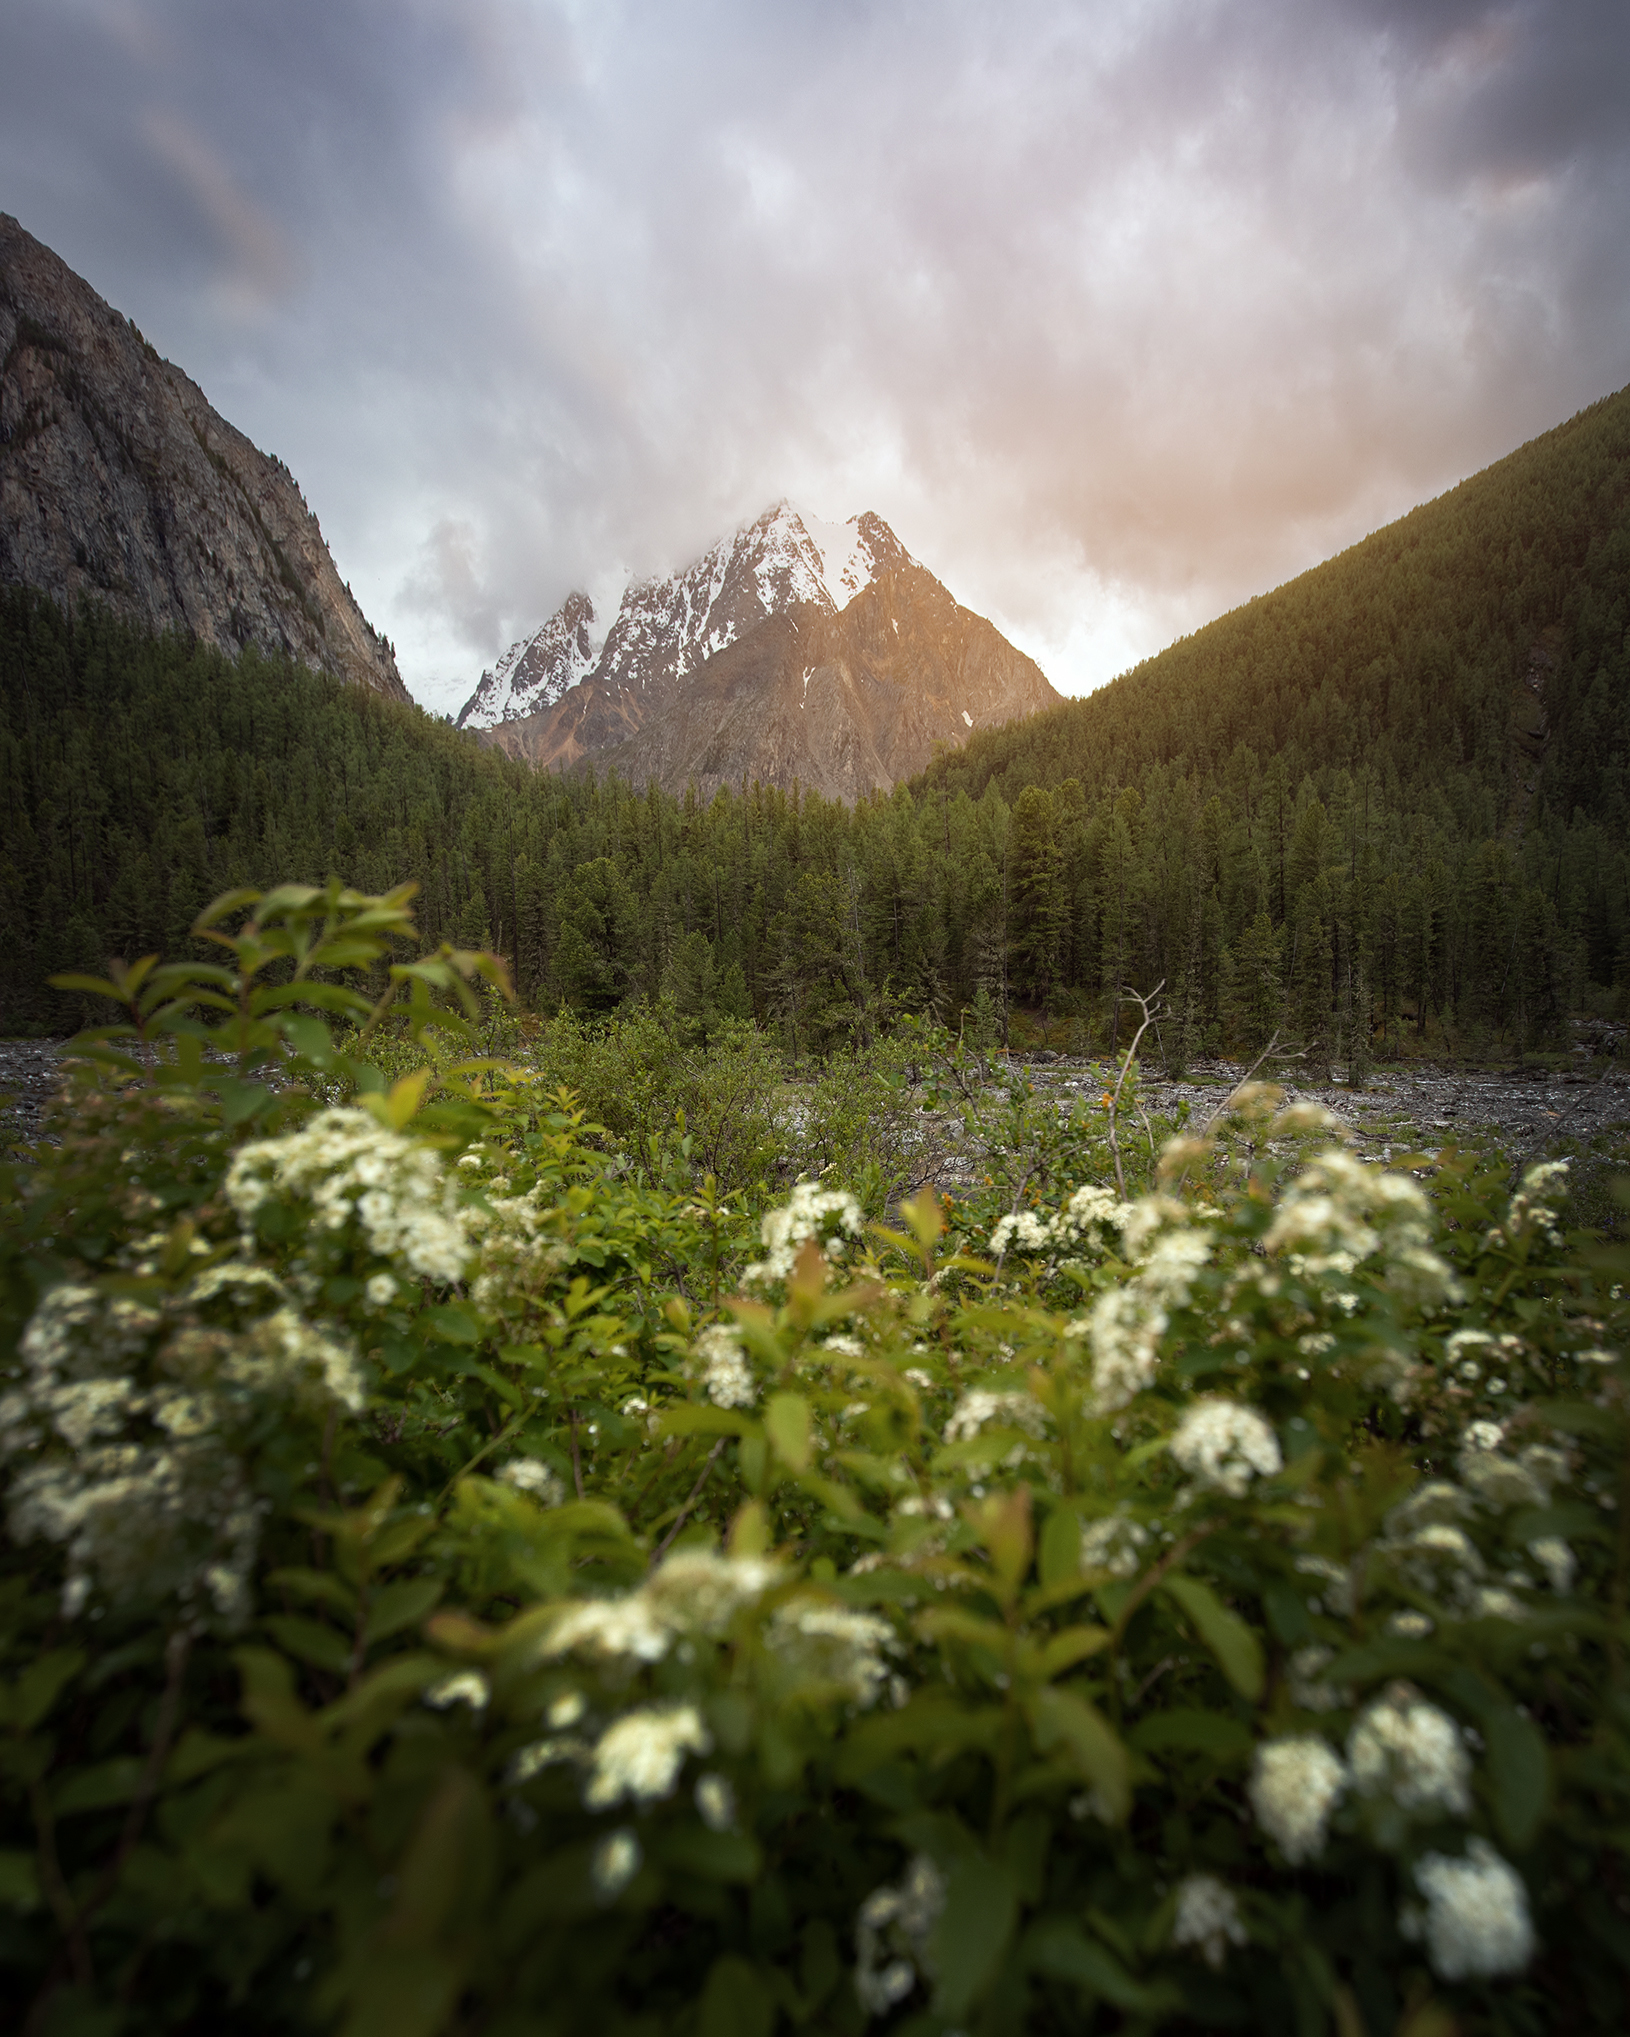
[
  {"x": 1498, "y": 611},
  {"x": 1387, "y": 802}
]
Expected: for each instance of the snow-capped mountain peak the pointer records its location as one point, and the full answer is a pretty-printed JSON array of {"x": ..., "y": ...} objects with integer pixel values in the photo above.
[
  {"x": 667, "y": 627},
  {"x": 538, "y": 670}
]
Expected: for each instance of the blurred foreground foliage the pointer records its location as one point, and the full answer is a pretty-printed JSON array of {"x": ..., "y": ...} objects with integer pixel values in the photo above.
[{"x": 468, "y": 1571}]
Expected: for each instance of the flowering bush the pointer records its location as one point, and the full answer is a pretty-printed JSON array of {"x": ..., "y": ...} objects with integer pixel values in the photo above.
[{"x": 454, "y": 1583}]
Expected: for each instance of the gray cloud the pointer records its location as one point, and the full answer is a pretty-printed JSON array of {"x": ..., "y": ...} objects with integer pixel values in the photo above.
[{"x": 1119, "y": 313}]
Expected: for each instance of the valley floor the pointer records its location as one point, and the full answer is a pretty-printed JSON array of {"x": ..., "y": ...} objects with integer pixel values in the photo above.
[
  {"x": 1521, "y": 1113},
  {"x": 1420, "y": 1105}
]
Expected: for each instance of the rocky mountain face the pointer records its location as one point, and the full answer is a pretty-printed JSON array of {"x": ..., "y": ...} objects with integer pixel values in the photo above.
[
  {"x": 119, "y": 483},
  {"x": 792, "y": 650}
]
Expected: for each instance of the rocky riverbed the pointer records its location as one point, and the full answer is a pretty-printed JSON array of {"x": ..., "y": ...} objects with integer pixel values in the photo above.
[
  {"x": 28, "y": 1075},
  {"x": 1520, "y": 1111}
]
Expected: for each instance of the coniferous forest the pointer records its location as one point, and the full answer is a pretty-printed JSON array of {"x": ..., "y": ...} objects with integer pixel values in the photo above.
[{"x": 1386, "y": 803}]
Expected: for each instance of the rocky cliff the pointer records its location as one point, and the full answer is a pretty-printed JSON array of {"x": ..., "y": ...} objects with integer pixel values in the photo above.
[
  {"x": 791, "y": 651},
  {"x": 119, "y": 483}
]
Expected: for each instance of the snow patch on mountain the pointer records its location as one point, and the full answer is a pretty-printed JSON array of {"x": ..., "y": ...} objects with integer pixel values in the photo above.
[{"x": 847, "y": 565}]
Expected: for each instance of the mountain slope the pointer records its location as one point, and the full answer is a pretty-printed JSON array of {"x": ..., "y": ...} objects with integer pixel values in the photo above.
[
  {"x": 844, "y": 704},
  {"x": 119, "y": 483},
  {"x": 1479, "y": 641},
  {"x": 791, "y": 652}
]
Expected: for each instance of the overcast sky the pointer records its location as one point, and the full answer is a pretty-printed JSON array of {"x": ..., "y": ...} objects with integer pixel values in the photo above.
[{"x": 1118, "y": 313}]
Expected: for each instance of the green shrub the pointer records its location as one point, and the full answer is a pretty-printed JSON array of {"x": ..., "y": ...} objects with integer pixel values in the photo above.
[{"x": 456, "y": 1581}]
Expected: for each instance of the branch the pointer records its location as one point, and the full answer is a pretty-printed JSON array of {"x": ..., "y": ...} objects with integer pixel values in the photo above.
[
  {"x": 695, "y": 1494},
  {"x": 1151, "y": 1012},
  {"x": 1223, "y": 1108}
]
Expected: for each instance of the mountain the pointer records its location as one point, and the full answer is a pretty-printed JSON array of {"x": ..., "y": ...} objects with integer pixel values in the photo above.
[
  {"x": 792, "y": 651},
  {"x": 1399, "y": 786},
  {"x": 119, "y": 483},
  {"x": 1475, "y": 652}
]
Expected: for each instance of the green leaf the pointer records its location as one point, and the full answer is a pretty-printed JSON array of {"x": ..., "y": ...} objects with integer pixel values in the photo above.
[
  {"x": 19, "y": 1880},
  {"x": 786, "y": 1421},
  {"x": 308, "y": 1036},
  {"x": 405, "y": 1992},
  {"x": 1519, "y": 1769},
  {"x": 241, "y": 1100},
  {"x": 1188, "y": 1730},
  {"x": 1062, "y": 1950},
  {"x": 933, "y": 1723},
  {"x": 1578, "y": 1418},
  {"x": 973, "y": 1932},
  {"x": 308, "y": 1641},
  {"x": 1073, "y": 1645},
  {"x": 715, "y": 1856},
  {"x": 1377, "y": 1659},
  {"x": 197, "y": 1752},
  {"x": 36, "y": 1690},
  {"x": 454, "y": 1323},
  {"x": 320, "y": 1587},
  {"x": 1572, "y": 1523},
  {"x": 95, "y": 986},
  {"x": 1063, "y": 1719},
  {"x": 1287, "y": 1613},
  {"x": 1060, "y": 1547},
  {"x": 735, "y": 2001},
  {"x": 99, "y": 1788},
  {"x": 698, "y": 1420},
  {"x": 1237, "y": 1649},
  {"x": 951, "y": 1623},
  {"x": 400, "y": 1605}
]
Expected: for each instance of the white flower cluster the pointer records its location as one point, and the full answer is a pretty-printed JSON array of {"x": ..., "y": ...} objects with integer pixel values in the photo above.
[
  {"x": 536, "y": 1479},
  {"x": 1500, "y": 1481},
  {"x": 1115, "y": 1544},
  {"x": 694, "y": 1592},
  {"x": 123, "y": 1424},
  {"x": 639, "y": 1756},
  {"x": 716, "y": 1803},
  {"x": 828, "y": 1216},
  {"x": 1468, "y": 1351},
  {"x": 462, "y": 1687},
  {"x": 1208, "y": 1919},
  {"x": 1338, "y": 1213},
  {"x": 515, "y": 1255},
  {"x": 1007, "y": 1410},
  {"x": 1431, "y": 1550},
  {"x": 1295, "y": 1785},
  {"x": 1023, "y": 1231},
  {"x": 1127, "y": 1323},
  {"x": 892, "y": 1930},
  {"x": 1529, "y": 1214},
  {"x": 824, "y": 1643},
  {"x": 1407, "y": 1750},
  {"x": 725, "y": 1371},
  {"x": 1477, "y": 1925},
  {"x": 1403, "y": 1751},
  {"x": 1089, "y": 1214},
  {"x": 1223, "y": 1446},
  {"x": 1308, "y": 1687},
  {"x": 617, "y": 1859},
  {"x": 350, "y": 1169}
]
